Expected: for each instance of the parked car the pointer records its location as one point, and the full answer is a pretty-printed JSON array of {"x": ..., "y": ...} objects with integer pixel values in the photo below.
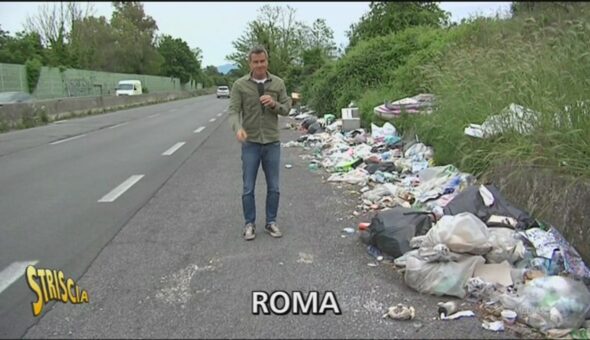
[
  {"x": 14, "y": 97},
  {"x": 222, "y": 91}
]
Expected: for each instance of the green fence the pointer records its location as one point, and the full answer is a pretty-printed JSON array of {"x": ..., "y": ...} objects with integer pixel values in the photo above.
[
  {"x": 13, "y": 77},
  {"x": 54, "y": 83}
]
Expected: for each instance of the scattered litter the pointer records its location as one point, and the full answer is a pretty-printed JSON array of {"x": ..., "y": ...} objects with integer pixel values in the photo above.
[
  {"x": 508, "y": 316},
  {"x": 447, "y": 308},
  {"x": 458, "y": 315},
  {"x": 288, "y": 166},
  {"x": 452, "y": 235},
  {"x": 364, "y": 225},
  {"x": 349, "y": 230},
  {"x": 375, "y": 252},
  {"x": 305, "y": 258},
  {"x": 400, "y": 312},
  {"x": 496, "y": 326}
]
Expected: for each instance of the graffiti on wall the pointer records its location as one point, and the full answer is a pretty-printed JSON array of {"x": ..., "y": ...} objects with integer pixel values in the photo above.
[{"x": 78, "y": 87}]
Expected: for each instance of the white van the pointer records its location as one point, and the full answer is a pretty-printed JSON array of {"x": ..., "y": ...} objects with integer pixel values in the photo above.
[{"x": 128, "y": 88}]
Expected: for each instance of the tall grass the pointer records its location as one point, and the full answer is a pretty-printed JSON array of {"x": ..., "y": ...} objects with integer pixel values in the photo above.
[{"x": 544, "y": 67}]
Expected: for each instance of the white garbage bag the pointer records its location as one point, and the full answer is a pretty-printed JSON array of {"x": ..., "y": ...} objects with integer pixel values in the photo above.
[
  {"x": 441, "y": 278},
  {"x": 461, "y": 233},
  {"x": 550, "y": 302}
]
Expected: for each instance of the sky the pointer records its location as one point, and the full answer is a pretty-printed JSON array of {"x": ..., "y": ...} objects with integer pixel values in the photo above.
[{"x": 213, "y": 26}]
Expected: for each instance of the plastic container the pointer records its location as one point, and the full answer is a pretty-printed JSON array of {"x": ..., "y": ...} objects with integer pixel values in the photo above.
[{"x": 509, "y": 316}]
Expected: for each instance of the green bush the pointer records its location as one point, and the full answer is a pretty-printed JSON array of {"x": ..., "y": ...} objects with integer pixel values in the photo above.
[
  {"x": 33, "y": 71},
  {"x": 371, "y": 64}
]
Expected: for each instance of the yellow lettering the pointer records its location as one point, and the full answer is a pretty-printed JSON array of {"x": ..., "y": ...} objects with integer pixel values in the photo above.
[
  {"x": 77, "y": 294},
  {"x": 50, "y": 284},
  {"x": 56, "y": 285},
  {"x": 70, "y": 285},
  {"x": 37, "y": 305},
  {"x": 41, "y": 274},
  {"x": 84, "y": 297},
  {"x": 62, "y": 284}
]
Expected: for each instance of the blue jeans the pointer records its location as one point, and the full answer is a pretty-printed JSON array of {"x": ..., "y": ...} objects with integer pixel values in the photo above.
[{"x": 253, "y": 154}]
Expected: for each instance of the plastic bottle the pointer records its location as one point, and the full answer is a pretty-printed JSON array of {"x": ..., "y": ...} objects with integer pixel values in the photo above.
[{"x": 375, "y": 252}]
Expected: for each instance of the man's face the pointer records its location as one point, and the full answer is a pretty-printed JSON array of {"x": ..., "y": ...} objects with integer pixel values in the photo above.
[{"x": 258, "y": 65}]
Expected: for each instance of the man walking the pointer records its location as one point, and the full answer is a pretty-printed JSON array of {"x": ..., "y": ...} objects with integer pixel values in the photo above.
[{"x": 256, "y": 101}]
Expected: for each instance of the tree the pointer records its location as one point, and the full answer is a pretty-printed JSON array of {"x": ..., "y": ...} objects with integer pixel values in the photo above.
[
  {"x": 89, "y": 37},
  {"x": 135, "y": 38},
  {"x": 320, "y": 37},
  {"x": 529, "y": 7},
  {"x": 19, "y": 49},
  {"x": 277, "y": 30},
  {"x": 289, "y": 43},
  {"x": 179, "y": 60},
  {"x": 52, "y": 24},
  {"x": 391, "y": 17}
]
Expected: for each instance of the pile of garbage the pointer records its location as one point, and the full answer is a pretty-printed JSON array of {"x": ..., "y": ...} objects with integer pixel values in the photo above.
[
  {"x": 450, "y": 235},
  {"x": 422, "y": 103}
]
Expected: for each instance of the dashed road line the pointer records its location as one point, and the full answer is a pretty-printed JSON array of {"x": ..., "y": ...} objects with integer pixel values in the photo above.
[
  {"x": 13, "y": 272},
  {"x": 199, "y": 129},
  {"x": 116, "y": 126},
  {"x": 118, "y": 191},
  {"x": 173, "y": 149},
  {"x": 67, "y": 139}
]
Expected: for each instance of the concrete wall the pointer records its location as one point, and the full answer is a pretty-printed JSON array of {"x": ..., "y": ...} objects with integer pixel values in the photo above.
[
  {"x": 13, "y": 114},
  {"x": 563, "y": 201}
]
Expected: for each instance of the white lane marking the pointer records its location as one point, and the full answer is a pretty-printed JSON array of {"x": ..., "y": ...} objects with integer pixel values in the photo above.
[
  {"x": 212, "y": 119},
  {"x": 67, "y": 139},
  {"x": 118, "y": 191},
  {"x": 199, "y": 129},
  {"x": 13, "y": 272},
  {"x": 154, "y": 115},
  {"x": 219, "y": 114},
  {"x": 173, "y": 149},
  {"x": 116, "y": 126}
]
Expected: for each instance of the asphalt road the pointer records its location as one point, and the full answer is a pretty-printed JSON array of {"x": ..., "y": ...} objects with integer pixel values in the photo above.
[
  {"x": 58, "y": 208},
  {"x": 179, "y": 268}
]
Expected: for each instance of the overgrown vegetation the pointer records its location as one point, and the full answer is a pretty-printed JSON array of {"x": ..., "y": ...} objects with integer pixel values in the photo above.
[
  {"x": 33, "y": 71},
  {"x": 68, "y": 35},
  {"x": 538, "y": 58}
]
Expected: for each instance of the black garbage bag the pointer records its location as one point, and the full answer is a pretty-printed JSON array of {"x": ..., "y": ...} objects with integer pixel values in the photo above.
[
  {"x": 308, "y": 121},
  {"x": 470, "y": 200},
  {"x": 383, "y": 166},
  {"x": 391, "y": 230}
]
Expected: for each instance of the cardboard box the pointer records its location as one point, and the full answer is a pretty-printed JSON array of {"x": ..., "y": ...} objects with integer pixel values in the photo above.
[{"x": 349, "y": 124}]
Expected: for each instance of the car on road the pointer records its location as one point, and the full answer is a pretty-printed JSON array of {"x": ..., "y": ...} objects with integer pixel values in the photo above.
[
  {"x": 14, "y": 97},
  {"x": 128, "y": 88},
  {"x": 222, "y": 91}
]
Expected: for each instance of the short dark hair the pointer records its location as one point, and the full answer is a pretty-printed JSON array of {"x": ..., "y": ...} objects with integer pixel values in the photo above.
[{"x": 257, "y": 50}]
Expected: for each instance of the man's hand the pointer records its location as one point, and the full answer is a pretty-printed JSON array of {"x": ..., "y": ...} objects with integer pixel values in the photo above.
[
  {"x": 241, "y": 135},
  {"x": 267, "y": 101}
]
